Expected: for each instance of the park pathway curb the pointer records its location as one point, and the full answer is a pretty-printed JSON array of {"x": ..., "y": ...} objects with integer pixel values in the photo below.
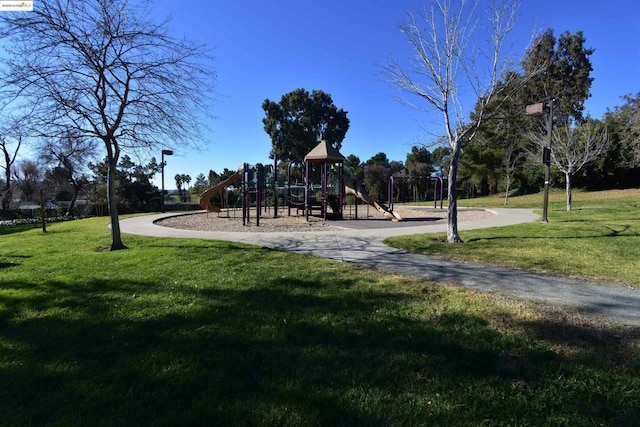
[{"x": 618, "y": 304}]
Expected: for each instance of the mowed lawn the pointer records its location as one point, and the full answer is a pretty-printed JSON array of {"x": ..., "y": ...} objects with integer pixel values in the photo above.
[
  {"x": 194, "y": 332},
  {"x": 599, "y": 239}
]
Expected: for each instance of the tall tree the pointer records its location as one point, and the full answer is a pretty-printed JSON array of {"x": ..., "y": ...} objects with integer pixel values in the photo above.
[
  {"x": 300, "y": 120},
  {"x": 629, "y": 116},
  {"x": 419, "y": 166},
  {"x": 447, "y": 63},
  {"x": 28, "y": 177},
  {"x": 559, "y": 69},
  {"x": 186, "y": 179},
  {"x": 102, "y": 69},
  {"x": 354, "y": 167},
  {"x": 134, "y": 188},
  {"x": 9, "y": 155},
  {"x": 502, "y": 146},
  {"x": 201, "y": 183},
  {"x": 378, "y": 159},
  {"x": 419, "y": 161},
  {"x": 564, "y": 78},
  {"x": 376, "y": 177},
  {"x": 70, "y": 156},
  {"x": 179, "y": 181},
  {"x": 574, "y": 147}
]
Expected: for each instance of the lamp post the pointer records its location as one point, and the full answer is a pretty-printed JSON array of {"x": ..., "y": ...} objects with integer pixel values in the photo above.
[
  {"x": 536, "y": 110},
  {"x": 164, "y": 153}
]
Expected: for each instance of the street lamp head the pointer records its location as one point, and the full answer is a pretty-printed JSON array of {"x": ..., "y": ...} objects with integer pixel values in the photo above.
[{"x": 167, "y": 152}]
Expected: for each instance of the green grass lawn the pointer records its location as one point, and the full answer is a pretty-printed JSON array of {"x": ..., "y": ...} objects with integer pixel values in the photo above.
[
  {"x": 194, "y": 332},
  {"x": 598, "y": 239}
]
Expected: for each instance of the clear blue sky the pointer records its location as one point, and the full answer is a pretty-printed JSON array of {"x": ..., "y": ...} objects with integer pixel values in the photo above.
[{"x": 264, "y": 49}]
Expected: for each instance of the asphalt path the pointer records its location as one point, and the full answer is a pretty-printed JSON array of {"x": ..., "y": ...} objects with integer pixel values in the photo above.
[{"x": 362, "y": 244}]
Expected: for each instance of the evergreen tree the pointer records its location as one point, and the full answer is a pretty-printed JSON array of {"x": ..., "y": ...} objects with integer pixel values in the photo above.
[
  {"x": 559, "y": 69},
  {"x": 300, "y": 121}
]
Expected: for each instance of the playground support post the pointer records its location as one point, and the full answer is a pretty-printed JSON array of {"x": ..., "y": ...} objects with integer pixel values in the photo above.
[
  {"x": 245, "y": 194},
  {"x": 390, "y": 188},
  {"x": 275, "y": 186},
  {"x": 260, "y": 183},
  {"x": 438, "y": 181},
  {"x": 307, "y": 185}
]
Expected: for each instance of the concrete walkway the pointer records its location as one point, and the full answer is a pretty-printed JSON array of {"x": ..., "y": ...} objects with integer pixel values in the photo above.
[{"x": 618, "y": 304}]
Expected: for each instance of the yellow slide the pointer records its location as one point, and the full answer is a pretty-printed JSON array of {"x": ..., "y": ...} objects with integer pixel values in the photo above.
[
  {"x": 205, "y": 198},
  {"x": 362, "y": 195}
]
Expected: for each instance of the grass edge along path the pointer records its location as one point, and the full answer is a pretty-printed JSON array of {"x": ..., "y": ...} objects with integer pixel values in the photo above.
[
  {"x": 195, "y": 332},
  {"x": 599, "y": 239}
]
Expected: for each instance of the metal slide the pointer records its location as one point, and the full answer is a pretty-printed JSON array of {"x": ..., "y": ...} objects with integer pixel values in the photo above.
[
  {"x": 205, "y": 198},
  {"x": 362, "y": 195}
]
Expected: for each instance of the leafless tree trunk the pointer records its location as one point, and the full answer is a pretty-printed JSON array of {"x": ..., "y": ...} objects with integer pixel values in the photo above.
[
  {"x": 101, "y": 69},
  {"x": 69, "y": 156},
  {"x": 28, "y": 177},
  {"x": 512, "y": 157},
  {"x": 9, "y": 157},
  {"x": 448, "y": 62}
]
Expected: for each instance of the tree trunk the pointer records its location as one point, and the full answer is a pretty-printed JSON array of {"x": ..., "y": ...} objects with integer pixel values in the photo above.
[
  {"x": 74, "y": 198},
  {"x": 6, "y": 193},
  {"x": 6, "y": 197},
  {"x": 506, "y": 191},
  {"x": 452, "y": 198},
  {"x": 72, "y": 205},
  {"x": 116, "y": 240},
  {"x": 569, "y": 198}
]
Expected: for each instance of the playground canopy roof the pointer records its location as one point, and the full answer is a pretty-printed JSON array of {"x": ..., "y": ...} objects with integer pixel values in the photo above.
[{"x": 324, "y": 152}]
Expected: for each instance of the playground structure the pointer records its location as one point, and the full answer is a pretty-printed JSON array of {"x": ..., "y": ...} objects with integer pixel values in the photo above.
[
  {"x": 261, "y": 191},
  {"x": 438, "y": 189}
]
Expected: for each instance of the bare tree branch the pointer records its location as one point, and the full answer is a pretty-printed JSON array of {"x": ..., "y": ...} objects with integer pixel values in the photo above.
[
  {"x": 101, "y": 69},
  {"x": 448, "y": 62},
  {"x": 573, "y": 148}
]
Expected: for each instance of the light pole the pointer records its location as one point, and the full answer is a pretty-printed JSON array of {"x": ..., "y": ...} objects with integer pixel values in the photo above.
[
  {"x": 536, "y": 110},
  {"x": 164, "y": 153}
]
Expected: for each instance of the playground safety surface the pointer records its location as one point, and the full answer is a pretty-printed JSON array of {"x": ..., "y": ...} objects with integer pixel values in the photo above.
[{"x": 232, "y": 221}]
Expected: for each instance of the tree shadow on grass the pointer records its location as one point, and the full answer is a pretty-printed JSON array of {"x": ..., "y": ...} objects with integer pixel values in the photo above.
[
  {"x": 9, "y": 264},
  {"x": 4, "y": 265},
  {"x": 593, "y": 354},
  {"x": 272, "y": 352},
  {"x": 570, "y": 234},
  {"x": 12, "y": 229}
]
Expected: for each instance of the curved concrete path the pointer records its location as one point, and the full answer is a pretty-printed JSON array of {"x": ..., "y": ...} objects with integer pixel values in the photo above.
[{"x": 618, "y": 304}]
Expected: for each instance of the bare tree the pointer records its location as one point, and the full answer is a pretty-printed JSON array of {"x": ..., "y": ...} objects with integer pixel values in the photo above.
[
  {"x": 9, "y": 156},
  {"x": 573, "y": 147},
  {"x": 28, "y": 178},
  {"x": 446, "y": 64},
  {"x": 103, "y": 70},
  {"x": 512, "y": 162},
  {"x": 70, "y": 156}
]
